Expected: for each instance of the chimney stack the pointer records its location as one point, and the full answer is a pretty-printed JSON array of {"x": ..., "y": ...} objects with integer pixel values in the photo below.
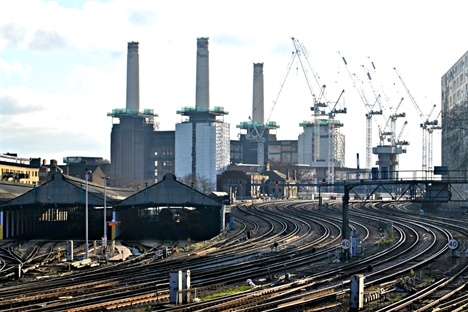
[
  {"x": 258, "y": 101},
  {"x": 133, "y": 80},
  {"x": 202, "y": 101}
]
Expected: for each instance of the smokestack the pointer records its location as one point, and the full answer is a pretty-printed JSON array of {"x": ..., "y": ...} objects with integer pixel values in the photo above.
[
  {"x": 202, "y": 101},
  {"x": 133, "y": 80},
  {"x": 257, "y": 101}
]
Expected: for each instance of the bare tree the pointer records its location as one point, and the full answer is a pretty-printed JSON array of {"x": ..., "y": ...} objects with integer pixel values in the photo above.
[{"x": 199, "y": 183}]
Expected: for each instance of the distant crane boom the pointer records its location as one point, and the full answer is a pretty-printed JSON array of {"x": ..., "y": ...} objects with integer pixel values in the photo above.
[
  {"x": 426, "y": 130},
  {"x": 369, "y": 115},
  {"x": 302, "y": 53}
]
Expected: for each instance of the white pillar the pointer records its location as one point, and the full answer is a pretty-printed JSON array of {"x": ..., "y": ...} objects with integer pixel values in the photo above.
[
  {"x": 133, "y": 78},
  {"x": 257, "y": 97},
  {"x": 202, "y": 100}
]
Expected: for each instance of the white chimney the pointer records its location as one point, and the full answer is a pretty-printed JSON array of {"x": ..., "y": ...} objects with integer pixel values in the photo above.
[
  {"x": 133, "y": 80},
  {"x": 257, "y": 101},
  {"x": 202, "y": 101}
]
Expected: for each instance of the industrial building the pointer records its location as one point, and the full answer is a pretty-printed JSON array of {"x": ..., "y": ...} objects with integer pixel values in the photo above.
[
  {"x": 66, "y": 208},
  {"x": 132, "y": 156},
  {"x": 255, "y": 134},
  {"x": 202, "y": 147}
]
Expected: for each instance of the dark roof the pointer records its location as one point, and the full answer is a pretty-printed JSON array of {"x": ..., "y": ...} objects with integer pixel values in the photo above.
[
  {"x": 169, "y": 192},
  {"x": 63, "y": 190},
  {"x": 10, "y": 190}
]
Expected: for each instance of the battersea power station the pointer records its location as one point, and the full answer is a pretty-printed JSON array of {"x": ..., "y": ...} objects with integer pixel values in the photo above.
[
  {"x": 140, "y": 193},
  {"x": 199, "y": 147}
]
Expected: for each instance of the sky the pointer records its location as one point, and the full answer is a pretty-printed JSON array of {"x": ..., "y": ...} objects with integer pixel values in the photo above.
[{"x": 63, "y": 66}]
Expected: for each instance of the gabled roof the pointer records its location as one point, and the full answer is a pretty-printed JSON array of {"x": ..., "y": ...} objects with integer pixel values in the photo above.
[
  {"x": 169, "y": 192},
  {"x": 275, "y": 175},
  {"x": 63, "y": 190}
]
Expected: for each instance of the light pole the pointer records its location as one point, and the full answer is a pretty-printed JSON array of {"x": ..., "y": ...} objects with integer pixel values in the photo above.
[
  {"x": 88, "y": 172},
  {"x": 104, "y": 238}
]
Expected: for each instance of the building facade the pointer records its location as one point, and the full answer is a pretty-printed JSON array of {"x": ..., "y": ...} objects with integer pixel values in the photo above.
[
  {"x": 306, "y": 143},
  {"x": 202, "y": 148},
  {"x": 132, "y": 151},
  {"x": 17, "y": 169},
  {"x": 454, "y": 98}
]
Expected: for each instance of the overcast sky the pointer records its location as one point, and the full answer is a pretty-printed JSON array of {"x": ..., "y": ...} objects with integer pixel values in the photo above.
[{"x": 63, "y": 65}]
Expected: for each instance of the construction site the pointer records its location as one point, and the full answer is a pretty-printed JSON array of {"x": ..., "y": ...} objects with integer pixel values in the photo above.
[{"x": 201, "y": 148}]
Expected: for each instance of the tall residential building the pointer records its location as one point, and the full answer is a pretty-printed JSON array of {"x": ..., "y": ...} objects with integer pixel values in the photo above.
[
  {"x": 132, "y": 156},
  {"x": 202, "y": 146},
  {"x": 454, "y": 86}
]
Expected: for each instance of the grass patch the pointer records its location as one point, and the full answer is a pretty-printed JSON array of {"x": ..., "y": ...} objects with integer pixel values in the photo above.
[
  {"x": 386, "y": 240},
  {"x": 226, "y": 292}
]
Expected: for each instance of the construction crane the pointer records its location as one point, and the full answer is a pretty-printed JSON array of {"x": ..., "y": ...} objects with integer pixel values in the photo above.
[
  {"x": 256, "y": 131},
  {"x": 369, "y": 114},
  {"x": 398, "y": 141},
  {"x": 390, "y": 135},
  {"x": 426, "y": 126},
  {"x": 319, "y": 104},
  {"x": 331, "y": 136},
  {"x": 430, "y": 132},
  {"x": 317, "y": 112}
]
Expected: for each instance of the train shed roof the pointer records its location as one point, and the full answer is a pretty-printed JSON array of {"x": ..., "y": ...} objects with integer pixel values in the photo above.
[
  {"x": 169, "y": 192},
  {"x": 63, "y": 190},
  {"x": 10, "y": 190}
]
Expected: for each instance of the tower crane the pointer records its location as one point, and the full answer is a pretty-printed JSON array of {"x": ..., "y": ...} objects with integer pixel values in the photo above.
[
  {"x": 430, "y": 132},
  {"x": 391, "y": 121},
  {"x": 302, "y": 53},
  {"x": 398, "y": 141},
  {"x": 318, "y": 104},
  {"x": 331, "y": 136},
  {"x": 388, "y": 133},
  {"x": 425, "y": 125},
  {"x": 369, "y": 115}
]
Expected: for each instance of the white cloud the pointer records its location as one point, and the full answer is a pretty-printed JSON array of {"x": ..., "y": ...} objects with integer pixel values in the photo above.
[
  {"x": 89, "y": 61},
  {"x": 8, "y": 70}
]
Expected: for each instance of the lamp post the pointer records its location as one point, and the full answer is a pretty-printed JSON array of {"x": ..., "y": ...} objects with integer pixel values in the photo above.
[
  {"x": 88, "y": 172},
  {"x": 104, "y": 238}
]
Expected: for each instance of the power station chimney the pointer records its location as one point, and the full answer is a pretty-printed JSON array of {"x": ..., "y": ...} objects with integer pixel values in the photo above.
[
  {"x": 133, "y": 80},
  {"x": 257, "y": 102},
  {"x": 202, "y": 101}
]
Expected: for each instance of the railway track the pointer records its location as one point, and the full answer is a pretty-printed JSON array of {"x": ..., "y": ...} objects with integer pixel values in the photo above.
[{"x": 282, "y": 247}]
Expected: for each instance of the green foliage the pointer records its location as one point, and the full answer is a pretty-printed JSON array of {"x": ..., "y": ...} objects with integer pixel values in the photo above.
[
  {"x": 385, "y": 240},
  {"x": 225, "y": 292}
]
